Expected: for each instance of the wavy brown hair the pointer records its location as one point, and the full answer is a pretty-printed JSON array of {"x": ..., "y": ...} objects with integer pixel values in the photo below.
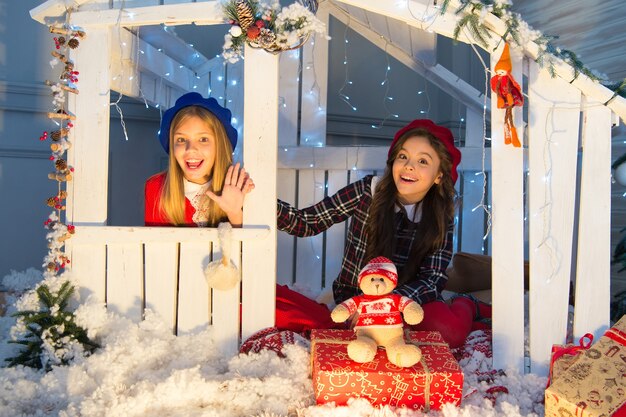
[
  {"x": 437, "y": 211},
  {"x": 172, "y": 201}
]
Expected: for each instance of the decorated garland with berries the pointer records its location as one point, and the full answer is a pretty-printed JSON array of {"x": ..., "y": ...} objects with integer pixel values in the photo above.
[
  {"x": 45, "y": 329},
  {"x": 265, "y": 26}
]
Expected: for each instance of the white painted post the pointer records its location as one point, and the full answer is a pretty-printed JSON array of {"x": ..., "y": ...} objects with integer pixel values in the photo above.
[
  {"x": 89, "y": 154},
  {"x": 553, "y": 142},
  {"x": 593, "y": 272},
  {"x": 507, "y": 235},
  {"x": 260, "y": 145}
]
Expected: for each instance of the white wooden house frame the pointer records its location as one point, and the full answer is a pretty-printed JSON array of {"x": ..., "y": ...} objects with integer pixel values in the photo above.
[{"x": 132, "y": 268}]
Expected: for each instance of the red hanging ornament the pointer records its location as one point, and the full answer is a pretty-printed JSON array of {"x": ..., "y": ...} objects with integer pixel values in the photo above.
[{"x": 509, "y": 94}]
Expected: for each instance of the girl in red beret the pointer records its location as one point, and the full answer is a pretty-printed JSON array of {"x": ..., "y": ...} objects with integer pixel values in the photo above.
[
  {"x": 200, "y": 186},
  {"x": 407, "y": 215}
]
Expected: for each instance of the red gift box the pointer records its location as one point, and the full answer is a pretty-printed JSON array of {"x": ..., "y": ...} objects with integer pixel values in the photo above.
[{"x": 437, "y": 379}]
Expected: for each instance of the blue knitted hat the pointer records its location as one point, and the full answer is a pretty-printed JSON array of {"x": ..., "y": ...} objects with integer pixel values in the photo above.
[{"x": 194, "y": 99}]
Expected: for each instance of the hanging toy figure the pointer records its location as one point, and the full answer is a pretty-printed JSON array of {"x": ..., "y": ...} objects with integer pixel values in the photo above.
[{"x": 509, "y": 95}]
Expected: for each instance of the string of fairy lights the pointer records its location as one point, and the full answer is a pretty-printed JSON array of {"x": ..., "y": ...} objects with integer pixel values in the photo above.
[{"x": 343, "y": 94}]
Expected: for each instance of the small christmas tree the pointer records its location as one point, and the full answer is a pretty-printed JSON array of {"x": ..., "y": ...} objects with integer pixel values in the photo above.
[{"x": 50, "y": 335}]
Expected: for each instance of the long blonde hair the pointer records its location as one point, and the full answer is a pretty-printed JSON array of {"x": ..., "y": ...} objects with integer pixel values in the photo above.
[
  {"x": 172, "y": 201},
  {"x": 437, "y": 211}
]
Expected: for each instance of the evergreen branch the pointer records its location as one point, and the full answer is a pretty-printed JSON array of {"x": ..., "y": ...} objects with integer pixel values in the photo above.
[
  {"x": 444, "y": 6},
  {"x": 618, "y": 88},
  {"x": 58, "y": 330}
]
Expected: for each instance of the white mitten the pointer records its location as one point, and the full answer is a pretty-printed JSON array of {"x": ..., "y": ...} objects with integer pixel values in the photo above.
[{"x": 222, "y": 274}]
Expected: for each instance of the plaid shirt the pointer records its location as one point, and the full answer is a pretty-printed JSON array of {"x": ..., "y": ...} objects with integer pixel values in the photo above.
[{"x": 354, "y": 201}]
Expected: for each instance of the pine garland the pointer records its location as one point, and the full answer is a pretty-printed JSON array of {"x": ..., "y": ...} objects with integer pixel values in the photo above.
[
  {"x": 474, "y": 11},
  {"x": 51, "y": 335}
]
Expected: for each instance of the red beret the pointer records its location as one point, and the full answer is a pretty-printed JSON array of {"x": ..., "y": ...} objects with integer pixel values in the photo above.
[{"x": 442, "y": 133}]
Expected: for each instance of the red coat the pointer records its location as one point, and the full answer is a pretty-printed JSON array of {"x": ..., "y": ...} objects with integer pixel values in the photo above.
[{"x": 152, "y": 215}]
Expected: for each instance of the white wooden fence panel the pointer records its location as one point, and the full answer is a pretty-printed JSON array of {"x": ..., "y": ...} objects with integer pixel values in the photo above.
[
  {"x": 314, "y": 86},
  {"x": 161, "y": 279},
  {"x": 286, "y": 190},
  {"x": 354, "y": 12},
  {"x": 226, "y": 307},
  {"x": 125, "y": 279},
  {"x": 217, "y": 88},
  {"x": 194, "y": 302},
  {"x": 234, "y": 101},
  {"x": 553, "y": 142},
  {"x": 471, "y": 224},
  {"x": 473, "y": 131},
  {"x": 288, "y": 98},
  {"x": 336, "y": 235},
  {"x": 309, "y": 250},
  {"x": 88, "y": 266},
  {"x": 507, "y": 236},
  {"x": 378, "y": 23},
  {"x": 399, "y": 34},
  {"x": 260, "y": 145},
  {"x": 423, "y": 45},
  {"x": 594, "y": 252},
  {"x": 357, "y": 174}
]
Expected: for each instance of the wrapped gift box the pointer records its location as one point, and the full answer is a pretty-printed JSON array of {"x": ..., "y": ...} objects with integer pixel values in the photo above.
[
  {"x": 435, "y": 380},
  {"x": 595, "y": 383},
  {"x": 564, "y": 356}
]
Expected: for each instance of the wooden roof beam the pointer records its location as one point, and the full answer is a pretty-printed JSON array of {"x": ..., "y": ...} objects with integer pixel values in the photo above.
[
  {"x": 436, "y": 74},
  {"x": 410, "y": 11},
  {"x": 204, "y": 13},
  {"x": 54, "y": 10}
]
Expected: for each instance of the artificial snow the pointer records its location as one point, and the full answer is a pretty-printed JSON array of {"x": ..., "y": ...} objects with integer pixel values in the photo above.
[{"x": 143, "y": 370}]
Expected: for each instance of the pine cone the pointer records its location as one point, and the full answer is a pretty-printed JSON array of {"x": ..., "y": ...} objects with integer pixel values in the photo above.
[
  {"x": 63, "y": 194},
  {"x": 56, "y": 135},
  {"x": 61, "y": 164},
  {"x": 73, "y": 43},
  {"x": 51, "y": 202},
  {"x": 266, "y": 38},
  {"x": 244, "y": 14}
]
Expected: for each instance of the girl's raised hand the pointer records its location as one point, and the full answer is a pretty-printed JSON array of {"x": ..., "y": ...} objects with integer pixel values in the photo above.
[{"x": 236, "y": 185}]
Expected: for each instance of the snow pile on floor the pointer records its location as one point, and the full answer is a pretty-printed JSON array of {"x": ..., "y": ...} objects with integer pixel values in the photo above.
[{"x": 143, "y": 370}]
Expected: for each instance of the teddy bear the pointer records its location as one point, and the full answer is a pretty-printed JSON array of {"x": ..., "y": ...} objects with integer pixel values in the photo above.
[{"x": 379, "y": 321}]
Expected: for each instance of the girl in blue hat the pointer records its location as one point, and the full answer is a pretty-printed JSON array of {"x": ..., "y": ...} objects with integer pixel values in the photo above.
[{"x": 200, "y": 186}]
